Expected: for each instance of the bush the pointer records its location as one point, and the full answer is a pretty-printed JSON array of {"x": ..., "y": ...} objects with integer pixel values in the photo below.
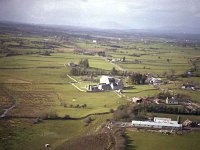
[
  {"x": 112, "y": 110},
  {"x": 37, "y": 120},
  {"x": 88, "y": 120},
  {"x": 50, "y": 115},
  {"x": 67, "y": 117},
  {"x": 164, "y": 95}
]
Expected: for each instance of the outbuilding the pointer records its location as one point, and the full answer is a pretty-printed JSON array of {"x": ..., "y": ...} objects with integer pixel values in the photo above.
[{"x": 158, "y": 123}]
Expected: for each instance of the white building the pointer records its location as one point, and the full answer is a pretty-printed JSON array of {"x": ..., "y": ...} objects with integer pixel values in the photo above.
[
  {"x": 188, "y": 87},
  {"x": 114, "y": 83},
  {"x": 136, "y": 100},
  {"x": 158, "y": 123},
  {"x": 158, "y": 119},
  {"x": 154, "y": 81},
  {"x": 71, "y": 64},
  {"x": 106, "y": 83}
]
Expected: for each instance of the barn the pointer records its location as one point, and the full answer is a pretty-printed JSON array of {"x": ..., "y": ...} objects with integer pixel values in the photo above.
[
  {"x": 113, "y": 83},
  {"x": 158, "y": 123}
]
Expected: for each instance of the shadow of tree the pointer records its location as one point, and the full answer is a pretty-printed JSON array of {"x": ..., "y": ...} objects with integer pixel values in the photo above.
[
  {"x": 129, "y": 145},
  {"x": 129, "y": 87}
]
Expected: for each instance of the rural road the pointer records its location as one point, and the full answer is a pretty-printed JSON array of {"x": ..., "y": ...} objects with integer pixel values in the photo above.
[{"x": 7, "y": 110}]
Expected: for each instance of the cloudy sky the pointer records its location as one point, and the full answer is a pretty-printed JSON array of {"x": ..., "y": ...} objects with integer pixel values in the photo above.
[{"x": 121, "y": 14}]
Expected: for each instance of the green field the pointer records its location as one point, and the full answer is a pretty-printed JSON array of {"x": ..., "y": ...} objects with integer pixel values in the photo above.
[
  {"x": 39, "y": 86},
  {"x": 151, "y": 141},
  {"x": 22, "y": 134}
]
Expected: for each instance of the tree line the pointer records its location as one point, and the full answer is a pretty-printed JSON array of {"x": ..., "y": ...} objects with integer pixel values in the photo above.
[
  {"x": 130, "y": 112},
  {"x": 137, "y": 78}
]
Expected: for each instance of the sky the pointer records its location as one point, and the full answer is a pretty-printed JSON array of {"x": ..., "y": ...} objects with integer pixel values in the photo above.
[{"x": 181, "y": 15}]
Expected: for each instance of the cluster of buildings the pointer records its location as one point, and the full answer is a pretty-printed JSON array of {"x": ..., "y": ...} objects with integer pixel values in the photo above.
[
  {"x": 188, "y": 87},
  {"x": 158, "y": 123},
  {"x": 154, "y": 81},
  {"x": 106, "y": 83},
  {"x": 115, "y": 60},
  {"x": 168, "y": 101},
  {"x": 84, "y": 52},
  {"x": 71, "y": 64},
  {"x": 171, "y": 101}
]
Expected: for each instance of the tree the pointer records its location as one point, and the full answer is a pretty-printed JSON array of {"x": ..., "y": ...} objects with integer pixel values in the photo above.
[
  {"x": 112, "y": 110},
  {"x": 124, "y": 59},
  {"x": 101, "y": 53},
  {"x": 144, "y": 78},
  {"x": 91, "y": 77},
  {"x": 66, "y": 116},
  {"x": 74, "y": 71},
  {"x": 84, "y": 63},
  {"x": 84, "y": 105},
  {"x": 164, "y": 95},
  {"x": 114, "y": 71},
  {"x": 88, "y": 120},
  {"x": 47, "y": 53},
  {"x": 172, "y": 72},
  {"x": 21, "y": 43},
  {"x": 137, "y": 78}
]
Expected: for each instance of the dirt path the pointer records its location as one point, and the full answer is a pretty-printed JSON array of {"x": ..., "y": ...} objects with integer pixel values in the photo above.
[
  {"x": 74, "y": 84},
  {"x": 77, "y": 87},
  {"x": 6, "y": 111},
  {"x": 72, "y": 79},
  {"x": 116, "y": 66}
]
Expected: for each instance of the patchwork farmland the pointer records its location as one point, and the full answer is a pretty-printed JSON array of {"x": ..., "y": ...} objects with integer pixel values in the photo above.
[{"x": 45, "y": 100}]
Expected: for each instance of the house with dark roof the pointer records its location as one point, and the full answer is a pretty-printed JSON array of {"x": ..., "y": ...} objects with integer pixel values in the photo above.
[{"x": 171, "y": 101}]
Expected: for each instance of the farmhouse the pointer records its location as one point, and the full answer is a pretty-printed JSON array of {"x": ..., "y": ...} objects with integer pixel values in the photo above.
[
  {"x": 113, "y": 83},
  {"x": 154, "y": 81},
  {"x": 157, "y": 101},
  {"x": 187, "y": 123},
  {"x": 71, "y": 64},
  {"x": 188, "y": 87},
  {"x": 171, "y": 101},
  {"x": 158, "y": 123},
  {"x": 189, "y": 74},
  {"x": 106, "y": 83},
  {"x": 136, "y": 100}
]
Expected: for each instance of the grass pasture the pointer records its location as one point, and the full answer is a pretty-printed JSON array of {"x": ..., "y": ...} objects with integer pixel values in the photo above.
[
  {"x": 154, "y": 58},
  {"x": 22, "y": 134},
  {"x": 141, "y": 91},
  {"x": 151, "y": 141}
]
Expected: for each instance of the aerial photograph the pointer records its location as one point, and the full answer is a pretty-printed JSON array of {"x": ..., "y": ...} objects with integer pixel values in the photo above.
[{"x": 99, "y": 75}]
